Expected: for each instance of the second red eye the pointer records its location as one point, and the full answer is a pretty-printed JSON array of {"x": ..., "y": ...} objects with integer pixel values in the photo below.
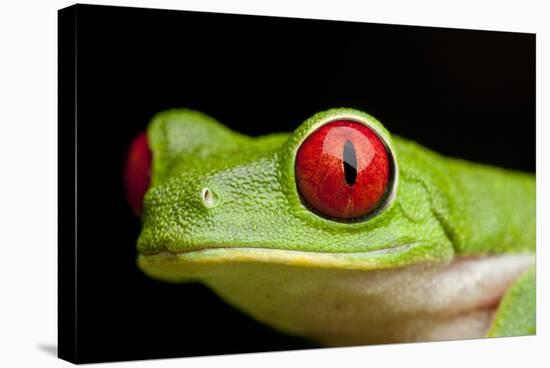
[
  {"x": 343, "y": 170},
  {"x": 137, "y": 172}
]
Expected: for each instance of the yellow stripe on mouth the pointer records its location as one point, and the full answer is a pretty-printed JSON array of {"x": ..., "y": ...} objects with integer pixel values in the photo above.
[{"x": 174, "y": 266}]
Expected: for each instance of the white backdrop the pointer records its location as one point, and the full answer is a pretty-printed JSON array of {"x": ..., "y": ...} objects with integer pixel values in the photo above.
[{"x": 28, "y": 180}]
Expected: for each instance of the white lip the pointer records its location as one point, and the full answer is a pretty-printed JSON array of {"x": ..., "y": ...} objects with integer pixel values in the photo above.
[
  {"x": 375, "y": 252},
  {"x": 179, "y": 265}
]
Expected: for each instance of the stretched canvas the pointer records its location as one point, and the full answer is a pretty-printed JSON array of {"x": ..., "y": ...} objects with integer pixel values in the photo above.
[{"x": 236, "y": 184}]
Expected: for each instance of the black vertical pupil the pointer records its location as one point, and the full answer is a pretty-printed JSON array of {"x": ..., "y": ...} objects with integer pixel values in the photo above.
[{"x": 349, "y": 160}]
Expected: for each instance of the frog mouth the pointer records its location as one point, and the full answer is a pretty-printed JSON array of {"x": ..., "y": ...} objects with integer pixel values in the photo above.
[
  {"x": 192, "y": 263},
  {"x": 211, "y": 255}
]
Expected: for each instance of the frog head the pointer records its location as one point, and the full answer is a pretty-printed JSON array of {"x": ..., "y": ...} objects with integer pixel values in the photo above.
[{"x": 339, "y": 192}]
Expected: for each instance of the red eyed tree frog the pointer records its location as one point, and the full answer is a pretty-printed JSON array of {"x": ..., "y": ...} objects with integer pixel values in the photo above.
[{"x": 338, "y": 232}]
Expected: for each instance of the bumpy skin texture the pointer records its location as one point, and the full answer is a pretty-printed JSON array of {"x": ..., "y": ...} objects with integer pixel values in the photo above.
[
  {"x": 519, "y": 302},
  {"x": 440, "y": 208},
  {"x": 254, "y": 180},
  {"x": 451, "y": 205}
]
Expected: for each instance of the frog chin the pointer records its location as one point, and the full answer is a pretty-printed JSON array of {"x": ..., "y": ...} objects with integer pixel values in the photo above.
[{"x": 338, "y": 306}]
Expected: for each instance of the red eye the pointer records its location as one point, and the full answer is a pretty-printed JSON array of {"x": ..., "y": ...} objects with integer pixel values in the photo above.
[
  {"x": 343, "y": 170},
  {"x": 137, "y": 172}
]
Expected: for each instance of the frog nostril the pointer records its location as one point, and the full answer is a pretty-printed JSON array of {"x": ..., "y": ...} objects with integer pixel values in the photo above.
[{"x": 209, "y": 198}]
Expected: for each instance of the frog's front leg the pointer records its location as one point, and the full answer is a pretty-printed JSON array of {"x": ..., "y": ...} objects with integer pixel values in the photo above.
[{"x": 516, "y": 314}]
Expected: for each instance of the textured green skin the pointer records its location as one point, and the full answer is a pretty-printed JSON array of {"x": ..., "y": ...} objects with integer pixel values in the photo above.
[
  {"x": 447, "y": 207},
  {"x": 518, "y": 302}
]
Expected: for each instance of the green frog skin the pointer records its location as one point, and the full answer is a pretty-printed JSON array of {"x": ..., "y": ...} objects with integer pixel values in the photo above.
[{"x": 425, "y": 247}]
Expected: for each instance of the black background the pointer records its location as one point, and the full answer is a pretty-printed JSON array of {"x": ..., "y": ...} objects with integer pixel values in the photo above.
[{"x": 469, "y": 94}]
